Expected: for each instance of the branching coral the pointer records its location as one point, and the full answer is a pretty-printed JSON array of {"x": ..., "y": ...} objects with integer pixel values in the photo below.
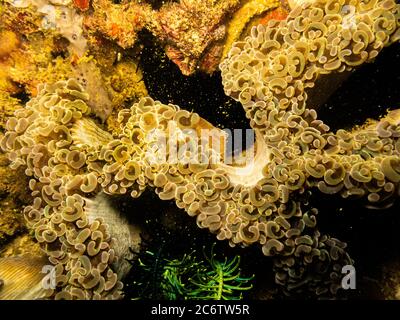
[{"x": 271, "y": 73}]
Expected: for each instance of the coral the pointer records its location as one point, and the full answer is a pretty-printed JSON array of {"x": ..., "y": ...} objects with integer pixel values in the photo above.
[
  {"x": 126, "y": 236},
  {"x": 79, "y": 248},
  {"x": 10, "y": 222},
  {"x": 109, "y": 84},
  {"x": 9, "y": 42},
  {"x": 189, "y": 27},
  {"x": 272, "y": 71},
  {"x": 195, "y": 34},
  {"x": 89, "y": 75},
  {"x": 70, "y": 158},
  {"x": 40, "y": 69},
  {"x": 118, "y": 22},
  {"x": 198, "y": 34},
  {"x": 24, "y": 22},
  {"x": 247, "y": 11},
  {"x": 127, "y": 85},
  {"x": 57, "y": 16},
  {"x": 190, "y": 277},
  {"x": 21, "y": 245},
  {"x": 30, "y": 63},
  {"x": 348, "y": 162},
  {"x": 7, "y": 107}
]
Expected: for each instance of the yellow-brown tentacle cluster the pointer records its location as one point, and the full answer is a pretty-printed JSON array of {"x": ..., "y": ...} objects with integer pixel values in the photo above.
[{"x": 39, "y": 138}]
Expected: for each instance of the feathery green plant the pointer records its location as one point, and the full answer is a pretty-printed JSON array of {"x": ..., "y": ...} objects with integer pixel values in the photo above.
[{"x": 221, "y": 280}]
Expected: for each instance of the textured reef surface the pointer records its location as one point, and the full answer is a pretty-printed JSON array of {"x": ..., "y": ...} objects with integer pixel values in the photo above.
[{"x": 120, "y": 176}]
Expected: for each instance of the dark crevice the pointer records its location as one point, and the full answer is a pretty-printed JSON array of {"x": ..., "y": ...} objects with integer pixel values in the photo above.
[{"x": 22, "y": 96}]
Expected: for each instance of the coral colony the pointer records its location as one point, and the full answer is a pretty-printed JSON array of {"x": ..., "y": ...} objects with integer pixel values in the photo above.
[{"x": 251, "y": 198}]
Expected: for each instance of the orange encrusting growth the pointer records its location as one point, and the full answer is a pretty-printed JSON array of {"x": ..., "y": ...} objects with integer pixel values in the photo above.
[
  {"x": 82, "y": 4},
  {"x": 276, "y": 14}
]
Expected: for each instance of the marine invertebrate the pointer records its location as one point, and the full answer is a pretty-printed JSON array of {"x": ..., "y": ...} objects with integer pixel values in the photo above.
[
  {"x": 9, "y": 42},
  {"x": 58, "y": 16},
  {"x": 222, "y": 282},
  {"x": 248, "y": 10},
  {"x": 82, "y": 4},
  {"x": 119, "y": 22},
  {"x": 78, "y": 243},
  {"x": 271, "y": 73},
  {"x": 281, "y": 90},
  {"x": 126, "y": 83},
  {"x": 190, "y": 277},
  {"x": 196, "y": 35},
  {"x": 89, "y": 75}
]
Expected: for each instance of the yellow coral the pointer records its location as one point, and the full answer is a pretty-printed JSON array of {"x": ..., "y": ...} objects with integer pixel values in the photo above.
[
  {"x": 270, "y": 73},
  {"x": 247, "y": 11},
  {"x": 9, "y": 42}
]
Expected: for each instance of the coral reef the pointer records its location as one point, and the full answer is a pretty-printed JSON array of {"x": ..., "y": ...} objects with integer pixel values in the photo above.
[
  {"x": 70, "y": 158},
  {"x": 21, "y": 245},
  {"x": 78, "y": 242},
  {"x": 293, "y": 55},
  {"x": 57, "y": 16},
  {"x": 42, "y": 56},
  {"x": 241, "y": 18},
  {"x": 118, "y": 22},
  {"x": 189, "y": 28},
  {"x": 13, "y": 194},
  {"x": 126, "y": 85},
  {"x": 196, "y": 34},
  {"x": 40, "y": 43}
]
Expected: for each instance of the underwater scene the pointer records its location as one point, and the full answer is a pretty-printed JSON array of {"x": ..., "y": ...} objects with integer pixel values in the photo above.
[{"x": 199, "y": 150}]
